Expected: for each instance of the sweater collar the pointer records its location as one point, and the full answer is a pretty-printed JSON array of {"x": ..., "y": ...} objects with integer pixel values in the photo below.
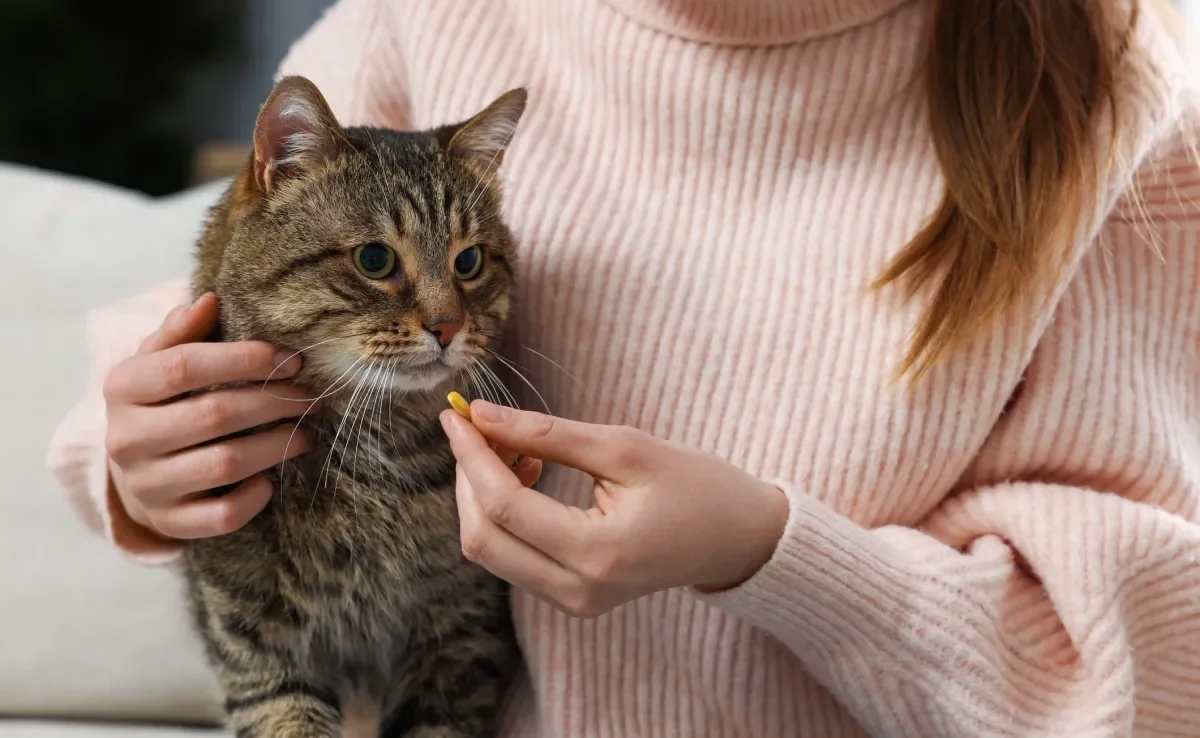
[{"x": 754, "y": 22}]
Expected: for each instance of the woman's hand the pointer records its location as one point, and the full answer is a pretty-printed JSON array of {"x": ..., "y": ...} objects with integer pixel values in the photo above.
[
  {"x": 160, "y": 453},
  {"x": 665, "y": 515}
]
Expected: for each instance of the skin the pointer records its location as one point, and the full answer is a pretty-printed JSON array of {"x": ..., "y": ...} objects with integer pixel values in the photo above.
[
  {"x": 160, "y": 454},
  {"x": 587, "y": 562}
]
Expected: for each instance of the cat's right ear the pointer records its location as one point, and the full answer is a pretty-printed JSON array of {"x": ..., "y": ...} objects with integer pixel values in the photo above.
[{"x": 296, "y": 133}]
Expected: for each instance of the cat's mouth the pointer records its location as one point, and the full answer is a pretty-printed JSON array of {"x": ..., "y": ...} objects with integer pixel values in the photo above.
[
  {"x": 423, "y": 371},
  {"x": 406, "y": 366}
]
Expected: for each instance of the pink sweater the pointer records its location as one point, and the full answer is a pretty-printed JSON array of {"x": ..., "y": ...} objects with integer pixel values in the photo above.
[{"x": 702, "y": 188}]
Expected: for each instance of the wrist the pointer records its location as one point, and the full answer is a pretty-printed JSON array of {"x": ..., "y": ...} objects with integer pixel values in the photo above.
[{"x": 765, "y": 529}]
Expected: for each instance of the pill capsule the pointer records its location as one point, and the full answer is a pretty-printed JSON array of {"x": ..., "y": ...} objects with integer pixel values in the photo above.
[{"x": 461, "y": 405}]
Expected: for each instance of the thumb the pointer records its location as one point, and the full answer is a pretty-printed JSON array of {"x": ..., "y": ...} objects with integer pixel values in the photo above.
[{"x": 594, "y": 449}]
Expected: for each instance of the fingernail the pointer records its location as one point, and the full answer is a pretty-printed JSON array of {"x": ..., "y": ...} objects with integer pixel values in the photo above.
[
  {"x": 489, "y": 412},
  {"x": 195, "y": 302},
  {"x": 287, "y": 363},
  {"x": 449, "y": 418}
]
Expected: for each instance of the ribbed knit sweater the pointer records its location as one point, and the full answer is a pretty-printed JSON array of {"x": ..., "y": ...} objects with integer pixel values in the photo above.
[{"x": 702, "y": 190}]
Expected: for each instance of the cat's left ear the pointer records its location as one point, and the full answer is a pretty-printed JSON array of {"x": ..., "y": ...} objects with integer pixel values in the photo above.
[
  {"x": 295, "y": 135},
  {"x": 483, "y": 139}
]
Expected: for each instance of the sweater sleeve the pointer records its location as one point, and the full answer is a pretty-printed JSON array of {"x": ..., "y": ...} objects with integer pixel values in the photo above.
[
  {"x": 1056, "y": 590},
  {"x": 76, "y": 454}
]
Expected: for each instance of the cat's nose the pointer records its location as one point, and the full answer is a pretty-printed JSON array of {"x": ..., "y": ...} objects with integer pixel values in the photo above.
[{"x": 443, "y": 330}]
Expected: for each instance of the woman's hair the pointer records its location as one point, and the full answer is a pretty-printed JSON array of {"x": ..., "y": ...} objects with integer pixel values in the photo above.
[{"x": 1019, "y": 95}]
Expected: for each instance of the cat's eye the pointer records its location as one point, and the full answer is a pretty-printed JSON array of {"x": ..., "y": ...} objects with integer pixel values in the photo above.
[
  {"x": 375, "y": 260},
  {"x": 468, "y": 263}
]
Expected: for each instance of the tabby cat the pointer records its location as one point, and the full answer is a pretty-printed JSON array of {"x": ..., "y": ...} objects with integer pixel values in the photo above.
[{"x": 346, "y": 607}]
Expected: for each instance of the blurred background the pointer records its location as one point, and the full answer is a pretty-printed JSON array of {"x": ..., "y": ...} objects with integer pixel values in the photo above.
[{"x": 149, "y": 95}]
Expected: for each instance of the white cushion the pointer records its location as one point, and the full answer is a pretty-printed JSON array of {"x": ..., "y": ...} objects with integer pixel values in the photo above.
[
  {"x": 83, "y": 632},
  {"x": 26, "y": 729}
]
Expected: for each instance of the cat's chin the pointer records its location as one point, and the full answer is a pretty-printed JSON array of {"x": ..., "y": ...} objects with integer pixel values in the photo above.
[{"x": 421, "y": 379}]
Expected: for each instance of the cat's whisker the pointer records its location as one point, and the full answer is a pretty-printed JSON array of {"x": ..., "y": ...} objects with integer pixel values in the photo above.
[
  {"x": 364, "y": 426},
  {"x": 484, "y": 184},
  {"x": 356, "y": 422},
  {"x": 552, "y": 362},
  {"x": 501, "y": 387},
  {"x": 364, "y": 412},
  {"x": 341, "y": 425},
  {"x": 358, "y": 440},
  {"x": 310, "y": 399},
  {"x": 295, "y": 354},
  {"x": 485, "y": 389},
  {"x": 523, "y": 378},
  {"x": 481, "y": 390},
  {"x": 588, "y": 395},
  {"x": 386, "y": 406},
  {"x": 333, "y": 445},
  {"x": 307, "y": 410}
]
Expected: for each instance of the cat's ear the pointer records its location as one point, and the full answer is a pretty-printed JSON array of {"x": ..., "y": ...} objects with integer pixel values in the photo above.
[
  {"x": 295, "y": 135},
  {"x": 483, "y": 139}
]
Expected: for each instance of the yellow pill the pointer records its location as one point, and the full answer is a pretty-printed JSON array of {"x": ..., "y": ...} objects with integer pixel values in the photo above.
[{"x": 458, "y": 403}]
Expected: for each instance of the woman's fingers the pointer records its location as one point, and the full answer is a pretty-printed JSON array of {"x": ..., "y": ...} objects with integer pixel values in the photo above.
[
  {"x": 509, "y": 558},
  {"x": 218, "y": 464},
  {"x": 603, "y": 451},
  {"x": 526, "y": 468},
  {"x": 203, "y": 418},
  {"x": 154, "y": 377},
  {"x": 214, "y": 516},
  {"x": 551, "y": 527},
  {"x": 184, "y": 324}
]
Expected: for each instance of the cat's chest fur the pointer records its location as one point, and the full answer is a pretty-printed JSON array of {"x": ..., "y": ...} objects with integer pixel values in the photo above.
[{"x": 357, "y": 554}]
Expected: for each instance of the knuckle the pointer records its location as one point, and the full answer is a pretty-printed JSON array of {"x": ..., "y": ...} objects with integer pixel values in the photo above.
[
  {"x": 226, "y": 517},
  {"x": 223, "y": 463},
  {"x": 213, "y": 411},
  {"x": 498, "y": 510},
  {"x": 540, "y": 425},
  {"x": 133, "y": 485},
  {"x": 601, "y": 567},
  {"x": 473, "y": 546},
  {"x": 256, "y": 358},
  {"x": 118, "y": 443},
  {"x": 628, "y": 445},
  {"x": 163, "y": 523},
  {"x": 582, "y": 602},
  {"x": 176, "y": 369},
  {"x": 114, "y": 383}
]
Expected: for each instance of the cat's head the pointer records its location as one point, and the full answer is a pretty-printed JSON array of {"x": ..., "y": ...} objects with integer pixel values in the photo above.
[{"x": 369, "y": 250}]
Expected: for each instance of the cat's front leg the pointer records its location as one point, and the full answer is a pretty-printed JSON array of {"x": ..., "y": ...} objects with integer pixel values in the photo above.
[
  {"x": 461, "y": 685},
  {"x": 281, "y": 708},
  {"x": 264, "y": 695}
]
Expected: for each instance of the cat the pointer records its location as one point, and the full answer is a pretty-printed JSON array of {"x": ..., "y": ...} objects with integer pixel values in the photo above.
[{"x": 346, "y": 607}]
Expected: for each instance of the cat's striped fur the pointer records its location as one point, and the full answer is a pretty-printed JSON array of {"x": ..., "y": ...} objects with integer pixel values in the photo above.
[{"x": 347, "y": 603}]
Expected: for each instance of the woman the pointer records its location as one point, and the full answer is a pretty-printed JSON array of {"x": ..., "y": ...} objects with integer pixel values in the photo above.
[{"x": 901, "y": 298}]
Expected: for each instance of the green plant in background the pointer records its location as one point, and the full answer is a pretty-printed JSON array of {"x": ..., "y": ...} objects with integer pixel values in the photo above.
[{"x": 97, "y": 88}]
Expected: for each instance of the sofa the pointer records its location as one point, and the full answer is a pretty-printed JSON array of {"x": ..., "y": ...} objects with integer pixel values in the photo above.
[{"x": 91, "y": 645}]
